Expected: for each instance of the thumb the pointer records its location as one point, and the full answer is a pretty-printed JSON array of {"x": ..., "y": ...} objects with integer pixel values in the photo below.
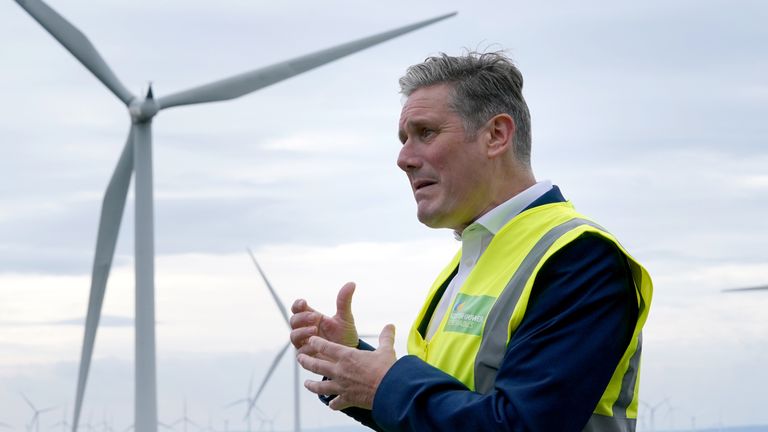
[
  {"x": 344, "y": 301},
  {"x": 387, "y": 337}
]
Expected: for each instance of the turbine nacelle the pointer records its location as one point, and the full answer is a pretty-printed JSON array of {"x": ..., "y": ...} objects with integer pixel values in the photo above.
[{"x": 142, "y": 110}]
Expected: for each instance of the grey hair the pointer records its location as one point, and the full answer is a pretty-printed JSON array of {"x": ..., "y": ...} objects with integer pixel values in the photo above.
[{"x": 483, "y": 85}]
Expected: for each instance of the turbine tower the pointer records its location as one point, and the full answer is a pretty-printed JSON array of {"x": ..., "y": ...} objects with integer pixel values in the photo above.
[{"x": 136, "y": 158}]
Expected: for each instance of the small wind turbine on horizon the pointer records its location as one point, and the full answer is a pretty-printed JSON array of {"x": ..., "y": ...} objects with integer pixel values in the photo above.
[
  {"x": 136, "y": 157},
  {"x": 185, "y": 420},
  {"x": 63, "y": 422},
  {"x": 247, "y": 402},
  {"x": 35, "y": 421},
  {"x": 652, "y": 411}
]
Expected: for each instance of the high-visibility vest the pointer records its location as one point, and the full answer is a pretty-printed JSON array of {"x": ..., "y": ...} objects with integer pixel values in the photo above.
[{"x": 472, "y": 338}]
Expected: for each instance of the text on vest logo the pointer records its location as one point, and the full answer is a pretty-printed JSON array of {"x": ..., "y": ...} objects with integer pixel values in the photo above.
[{"x": 468, "y": 314}]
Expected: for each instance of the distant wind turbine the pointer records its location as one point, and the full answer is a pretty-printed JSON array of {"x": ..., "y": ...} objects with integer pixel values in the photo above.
[
  {"x": 652, "y": 411},
  {"x": 136, "y": 158},
  {"x": 35, "y": 422},
  {"x": 63, "y": 422},
  {"x": 185, "y": 420},
  {"x": 268, "y": 422},
  {"x": 284, "y": 312},
  {"x": 247, "y": 402}
]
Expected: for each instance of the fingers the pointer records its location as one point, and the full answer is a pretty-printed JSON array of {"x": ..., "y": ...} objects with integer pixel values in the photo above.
[
  {"x": 327, "y": 348},
  {"x": 327, "y": 387},
  {"x": 300, "y": 335},
  {"x": 304, "y": 319},
  {"x": 344, "y": 301},
  {"x": 301, "y": 305},
  {"x": 316, "y": 365},
  {"x": 387, "y": 337}
]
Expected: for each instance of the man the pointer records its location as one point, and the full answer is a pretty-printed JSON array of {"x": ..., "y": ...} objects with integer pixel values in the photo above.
[{"x": 533, "y": 326}]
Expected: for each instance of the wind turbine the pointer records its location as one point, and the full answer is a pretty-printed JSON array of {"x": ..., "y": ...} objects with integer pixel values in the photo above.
[
  {"x": 185, "y": 420},
  {"x": 279, "y": 356},
  {"x": 35, "y": 422},
  {"x": 248, "y": 400},
  {"x": 63, "y": 422},
  {"x": 136, "y": 158},
  {"x": 268, "y": 422},
  {"x": 652, "y": 410}
]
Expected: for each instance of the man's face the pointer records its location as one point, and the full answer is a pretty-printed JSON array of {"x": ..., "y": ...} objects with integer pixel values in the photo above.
[{"x": 447, "y": 171}]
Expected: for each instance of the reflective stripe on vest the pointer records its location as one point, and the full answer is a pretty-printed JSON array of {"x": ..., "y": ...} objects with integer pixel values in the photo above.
[
  {"x": 495, "y": 334},
  {"x": 601, "y": 423},
  {"x": 493, "y": 346}
]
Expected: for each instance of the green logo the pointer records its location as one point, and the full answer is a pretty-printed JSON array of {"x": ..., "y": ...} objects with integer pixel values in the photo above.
[{"x": 468, "y": 314}]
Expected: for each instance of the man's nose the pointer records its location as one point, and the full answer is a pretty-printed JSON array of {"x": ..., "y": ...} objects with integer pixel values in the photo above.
[{"x": 408, "y": 160}]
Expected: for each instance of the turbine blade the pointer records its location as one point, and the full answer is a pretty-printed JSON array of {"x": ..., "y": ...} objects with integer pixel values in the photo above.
[
  {"x": 250, "y": 383},
  {"x": 757, "y": 288},
  {"x": 231, "y": 404},
  {"x": 266, "y": 377},
  {"x": 272, "y": 291},
  {"x": 109, "y": 226},
  {"x": 46, "y": 410},
  {"x": 242, "y": 84},
  {"x": 76, "y": 43},
  {"x": 29, "y": 402}
]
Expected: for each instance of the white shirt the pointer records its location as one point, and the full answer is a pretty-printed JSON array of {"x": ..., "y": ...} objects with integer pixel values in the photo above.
[{"x": 475, "y": 239}]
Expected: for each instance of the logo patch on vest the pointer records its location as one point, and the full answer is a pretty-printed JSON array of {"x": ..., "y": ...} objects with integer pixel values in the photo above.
[{"x": 468, "y": 314}]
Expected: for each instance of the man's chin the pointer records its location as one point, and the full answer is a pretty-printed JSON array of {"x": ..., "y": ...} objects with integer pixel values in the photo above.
[{"x": 431, "y": 220}]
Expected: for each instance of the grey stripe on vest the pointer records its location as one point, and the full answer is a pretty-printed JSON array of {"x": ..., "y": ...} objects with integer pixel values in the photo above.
[
  {"x": 627, "y": 391},
  {"x": 494, "y": 343},
  {"x": 601, "y": 423}
]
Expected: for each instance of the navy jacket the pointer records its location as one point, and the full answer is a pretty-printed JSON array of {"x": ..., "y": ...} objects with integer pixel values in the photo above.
[{"x": 581, "y": 315}]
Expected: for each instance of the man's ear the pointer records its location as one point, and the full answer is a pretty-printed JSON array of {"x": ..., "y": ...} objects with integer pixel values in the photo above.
[{"x": 501, "y": 133}]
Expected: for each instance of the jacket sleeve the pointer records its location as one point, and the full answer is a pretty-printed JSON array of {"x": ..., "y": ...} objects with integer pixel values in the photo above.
[{"x": 580, "y": 319}]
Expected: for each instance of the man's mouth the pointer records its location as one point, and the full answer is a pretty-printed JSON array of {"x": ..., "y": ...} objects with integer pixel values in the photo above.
[{"x": 422, "y": 183}]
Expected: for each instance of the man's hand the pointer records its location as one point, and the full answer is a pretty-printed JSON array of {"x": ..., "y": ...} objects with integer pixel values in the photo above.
[
  {"x": 340, "y": 328},
  {"x": 354, "y": 375}
]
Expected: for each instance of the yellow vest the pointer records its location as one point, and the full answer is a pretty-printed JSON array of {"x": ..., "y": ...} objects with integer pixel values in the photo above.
[{"x": 471, "y": 340}]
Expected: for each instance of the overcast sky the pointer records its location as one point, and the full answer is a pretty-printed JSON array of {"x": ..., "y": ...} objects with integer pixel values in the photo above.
[{"x": 650, "y": 116}]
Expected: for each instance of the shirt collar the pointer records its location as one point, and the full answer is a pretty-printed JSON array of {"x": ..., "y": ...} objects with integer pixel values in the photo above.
[{"x": 504, "y": 212}]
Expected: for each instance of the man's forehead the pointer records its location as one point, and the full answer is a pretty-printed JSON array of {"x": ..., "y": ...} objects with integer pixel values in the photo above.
[{"x": 424, "y": 107}]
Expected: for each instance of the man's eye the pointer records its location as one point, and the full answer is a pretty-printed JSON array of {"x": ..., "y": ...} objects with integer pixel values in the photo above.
[{"x": 426, "y": 133}]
